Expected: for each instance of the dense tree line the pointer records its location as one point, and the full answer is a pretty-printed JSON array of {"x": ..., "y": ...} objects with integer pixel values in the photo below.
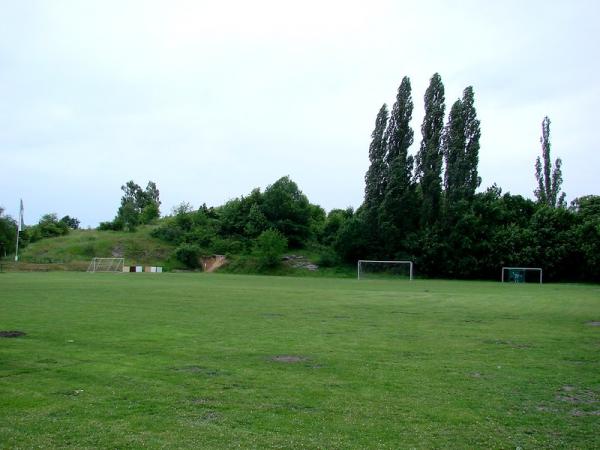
[
  {"x": 427, "y": 210},
  {"x": 425, "y": 207}
]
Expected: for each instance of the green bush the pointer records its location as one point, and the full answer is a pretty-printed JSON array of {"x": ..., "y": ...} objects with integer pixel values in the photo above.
[
  {"x": 328, "y": 258},
  {"x": 269, "y": 248},
  {"x": 189, "y": 255}
]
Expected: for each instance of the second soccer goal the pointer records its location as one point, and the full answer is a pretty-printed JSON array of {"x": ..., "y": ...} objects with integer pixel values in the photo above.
[
  {"x": 371, "y": 269},
  {"x": 106, "y": 265}
]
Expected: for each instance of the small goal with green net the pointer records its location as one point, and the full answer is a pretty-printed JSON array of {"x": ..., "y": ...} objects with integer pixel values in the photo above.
[
  {"x": 371, "y": 269},
  {"x": 522, "y": 275}
]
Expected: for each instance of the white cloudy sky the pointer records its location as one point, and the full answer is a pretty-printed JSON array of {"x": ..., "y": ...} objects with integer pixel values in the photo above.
[{"x": 212, "y": 98}]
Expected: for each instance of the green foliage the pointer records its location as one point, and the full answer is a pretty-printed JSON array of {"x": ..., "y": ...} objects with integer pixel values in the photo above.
[
  {"x": 138, "y": 207},
  {"x": 71, "y": 222},
  {"x": 549, "y": 180},
  {"x": 587, "y": 234},
  {"x": 287, "y": 209},
  {"x": 128, "y": 216},
  {"x": 375, "y": 176},
  {"x": 8, "y": 234},
  {"x": 269, "y": 247},
  {"x": 328, "y": 258},
  {"x": 189, "y": 255},
  {"x": 333, "y": 223},
  {"x": 461, "y": 150},
  {"x": 353, "y": 241},
  {"x": 429, "y": 157},
  {"x": 396, "y": 213},
  {"x": 47, "y": 227}
]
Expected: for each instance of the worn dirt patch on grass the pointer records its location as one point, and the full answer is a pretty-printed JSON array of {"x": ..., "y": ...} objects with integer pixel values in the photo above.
[
  {"x": 289, "y": 359},
  {"x": 199, "y": 370},
  {"x": 570, "y": 394},
  {"x": 11, "y": 334},
  {"x": 201, "y": 401},
  {"x": 593, "y": 323},
  {"x": 579, "y": 413},
  {"x": 512, "y": 344}
]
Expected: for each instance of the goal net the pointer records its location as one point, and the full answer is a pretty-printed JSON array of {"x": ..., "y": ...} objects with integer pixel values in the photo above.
[
  {"x": 522, "y": 275},
  {"x": 106, "y": 265},
  {"x": 369, "y": 269}
]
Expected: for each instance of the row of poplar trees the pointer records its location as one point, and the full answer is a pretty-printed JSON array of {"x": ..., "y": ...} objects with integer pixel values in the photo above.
[{"x": 406, "y": 194}]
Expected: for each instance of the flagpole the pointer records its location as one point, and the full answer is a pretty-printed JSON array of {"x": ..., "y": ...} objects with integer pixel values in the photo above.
[
  {"x": 17, "y": 249},
  {"x": 19, "y": 226}
]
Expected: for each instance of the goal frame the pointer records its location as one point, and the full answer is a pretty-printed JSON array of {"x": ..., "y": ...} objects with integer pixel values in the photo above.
[
  {"x": 116, "y": 265},
  {"x": 539, "y": 269},
  {"x": 410, "y": 265}
]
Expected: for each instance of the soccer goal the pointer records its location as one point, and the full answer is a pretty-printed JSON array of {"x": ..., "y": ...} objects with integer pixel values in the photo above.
[
  {"x": 106, "y": 265},
  {"x": 522, "y": 274},
  {"x": 384, "y": 269}
]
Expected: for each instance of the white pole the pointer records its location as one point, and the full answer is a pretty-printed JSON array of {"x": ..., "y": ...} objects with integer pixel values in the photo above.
[
  {"x": 19, "y": 226},
  {"x": 17, "y": 249}
]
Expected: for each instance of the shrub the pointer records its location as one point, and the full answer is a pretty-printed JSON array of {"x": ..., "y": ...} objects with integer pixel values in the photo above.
[
  {"x": 270, "y": 246},
  {"x": 189, "y": 255},
  {"x": 328, "y": 258}
]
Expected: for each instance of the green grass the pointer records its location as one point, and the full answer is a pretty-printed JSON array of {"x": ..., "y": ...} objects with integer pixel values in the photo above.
[{"x": 186, "y": 361}]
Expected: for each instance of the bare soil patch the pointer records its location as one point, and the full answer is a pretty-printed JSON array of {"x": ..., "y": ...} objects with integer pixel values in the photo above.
[
  {"x": 511, "y": 344},
  {"x": 199, "y": 370},
  {"x": 212, "y": 263},
  {"x": 289, "y": 359},
  {"x": 579, "y": 413},
  {"x": 272, "y": 315},
  {"x": 570, "y": 394},
  {"x": 11, "y": 334}
]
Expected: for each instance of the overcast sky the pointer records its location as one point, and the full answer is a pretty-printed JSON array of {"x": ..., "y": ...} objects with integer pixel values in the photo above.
[{"x": 211, "y": 99}]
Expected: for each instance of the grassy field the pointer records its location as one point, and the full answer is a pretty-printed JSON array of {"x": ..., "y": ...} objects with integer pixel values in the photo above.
[{"x": 223, "y": 361}]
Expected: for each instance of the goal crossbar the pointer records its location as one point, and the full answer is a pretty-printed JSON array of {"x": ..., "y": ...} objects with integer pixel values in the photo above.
[
  {"x": 410, "y": 265},
  {"x": 539, "y": 269}
]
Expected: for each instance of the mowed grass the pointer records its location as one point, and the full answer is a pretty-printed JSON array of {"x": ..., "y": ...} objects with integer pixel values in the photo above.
[{"x": 222, "y": 361}]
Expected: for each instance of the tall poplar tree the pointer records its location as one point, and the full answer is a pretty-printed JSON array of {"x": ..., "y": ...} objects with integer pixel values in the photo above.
[
  {"x": 375, "y": 176},
  {"x": 398, "y": 207},
  {"x": 549, "y": 180},
  {"x": 461, "y": 149},
  {"x": 429, "y": 158}
]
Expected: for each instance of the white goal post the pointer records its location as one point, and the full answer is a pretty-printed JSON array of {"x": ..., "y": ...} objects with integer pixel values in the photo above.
[
  {"x": 106, "y": 265},
  {"x": 517, "y": 274},
  {"x": 362, "y": 262}
]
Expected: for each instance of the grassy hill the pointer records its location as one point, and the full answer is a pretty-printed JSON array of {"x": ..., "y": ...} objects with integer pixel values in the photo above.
[{"x": 76, "y": 249}]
